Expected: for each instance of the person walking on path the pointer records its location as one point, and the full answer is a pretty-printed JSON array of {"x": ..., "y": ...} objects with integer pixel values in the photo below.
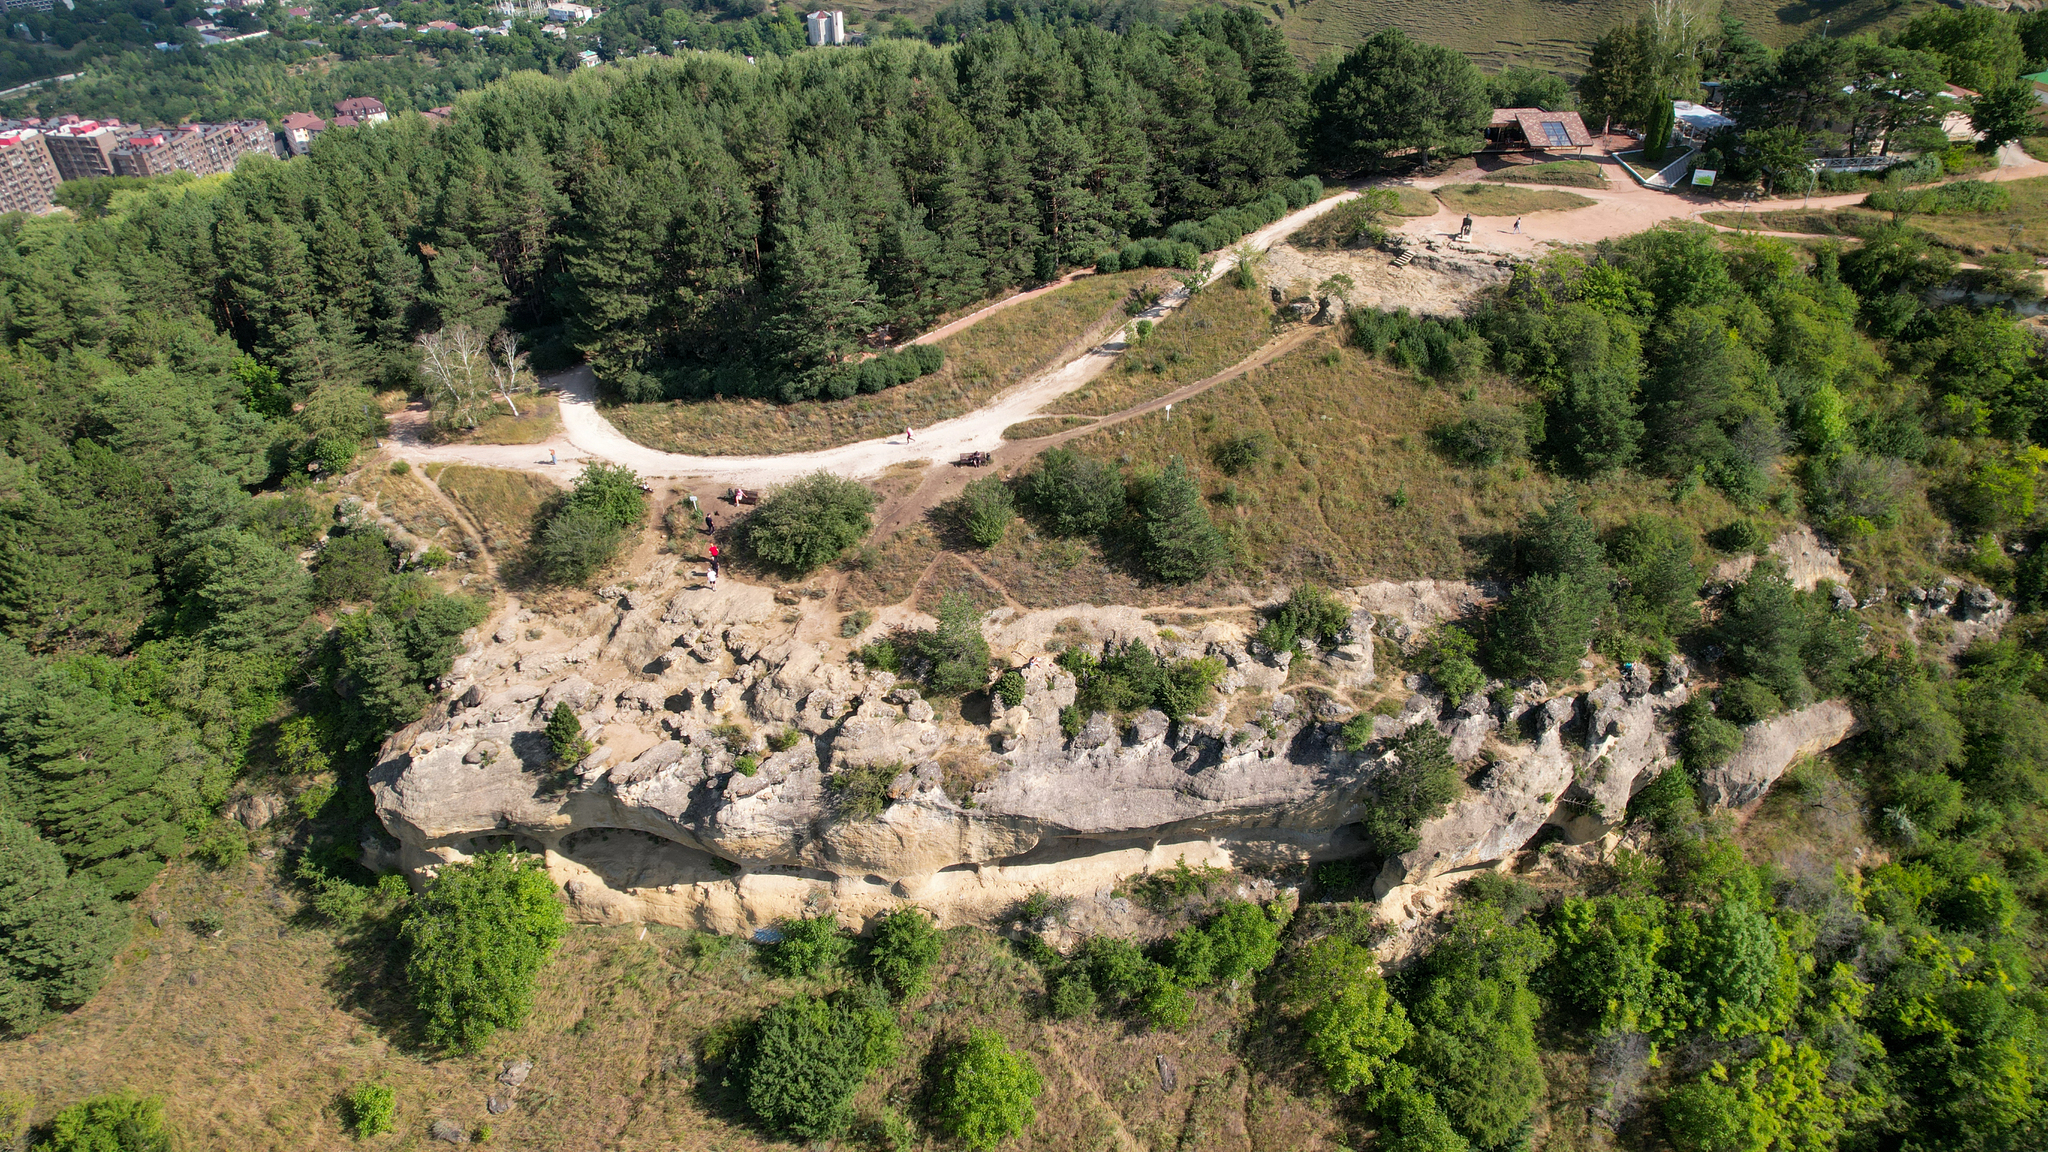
[
  {"x": 907, "y": 436},
  {"x": 711, "y": 578},
  {"x": 1518, "y": 225},
  {"x": 551, "y": 455},
  {"x": 1466, "y": 232},
  {"x": 714, "y": 555},
  {"x": 707, "y": 524}
]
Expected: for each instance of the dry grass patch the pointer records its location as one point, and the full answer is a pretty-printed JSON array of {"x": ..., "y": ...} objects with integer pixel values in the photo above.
[
  {"x": 539, "y": 418},
  {"x": 1006, "y": 348},
  {"x": 1572, "y": 173},
  {"x": 887, "y": 571},
  {"x": 1044, "y": 426},
  {"x": 1504, "y": 200},
  {"x": 502, "y": 502},
  {"x": 1347, "y": 487},
  {"x": 254, "y": 1036},
  {"x": 1219, "y": 327},
  {"x": 1814, "y": 222}
]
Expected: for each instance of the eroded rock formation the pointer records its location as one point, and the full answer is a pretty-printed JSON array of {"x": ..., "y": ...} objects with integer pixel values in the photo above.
[{"x": 717, "y": 796}]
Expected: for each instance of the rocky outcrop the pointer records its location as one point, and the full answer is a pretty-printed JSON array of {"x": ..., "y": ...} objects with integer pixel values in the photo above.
[
  {"x": 741, "y": 774},
  {"x": 1773, "y": 746}
]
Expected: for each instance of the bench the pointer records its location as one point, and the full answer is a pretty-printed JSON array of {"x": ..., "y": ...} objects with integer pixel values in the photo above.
[
  {"x": 744, "y": 496},
  {"x": 973, "y": 460}
]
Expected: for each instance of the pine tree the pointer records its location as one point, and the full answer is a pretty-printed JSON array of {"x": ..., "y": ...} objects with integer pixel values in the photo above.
[
  {"x": 89, "y": 774},
  {"x": 1180, "y": 543},
  {"x": 565, "y": 736},
  {"x": 57, "y": 931}
]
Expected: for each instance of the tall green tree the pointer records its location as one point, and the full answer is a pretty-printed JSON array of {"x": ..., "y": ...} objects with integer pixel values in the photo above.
[
  {"x": 57, "y": 931},
  {"x": 1177, "y": 539},
  {"x": 1391, "y": 96}
]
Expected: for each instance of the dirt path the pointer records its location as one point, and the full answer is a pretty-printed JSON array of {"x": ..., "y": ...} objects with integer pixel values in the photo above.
[
  {"x": 587, "y": 434},
  {"x": 945, "y": 481}
]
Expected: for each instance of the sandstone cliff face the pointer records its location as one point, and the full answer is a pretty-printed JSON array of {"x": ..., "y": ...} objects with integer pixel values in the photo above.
[{"x": 662, "y": 823}]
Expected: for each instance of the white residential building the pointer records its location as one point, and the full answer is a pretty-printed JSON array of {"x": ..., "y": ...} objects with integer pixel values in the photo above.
[{"x": 825, "y": 27}]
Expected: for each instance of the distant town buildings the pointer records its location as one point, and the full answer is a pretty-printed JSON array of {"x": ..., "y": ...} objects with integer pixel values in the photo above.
[
  {"x": 299, "y": 130},
  {"x": 201, "y": 149},
  {"x": 360, "y": 110},
  {"x": 825, "y": 28},
  {"x": 561, "y": 12}
]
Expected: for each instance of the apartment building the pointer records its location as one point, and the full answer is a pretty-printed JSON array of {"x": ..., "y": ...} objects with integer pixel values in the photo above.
[
  {"x": 27, "y": 177},
  {"x": 201, "y": 149},
  {"x": 83, "y": 148},
  {"x": 825, "y": 28}
]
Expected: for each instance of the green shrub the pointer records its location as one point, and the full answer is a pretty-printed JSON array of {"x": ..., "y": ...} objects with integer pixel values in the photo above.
[
  {"x": 122, "y": 1122},
  {"x": 985, "y": 1091},
  {"x": 475, "y": 942},
  {"x": 983, "y": 510},
  {"x": 1238, "y": 453},
  {"x": 784, "y": 740},
  {"x": 807, "y": 522},
  {"x": 1310, "y": 612},
  {"x": 809, "y": 945},
  {"x": 372, "y": 1109},
  {"x": 1487, "y": 435},
  {"x": 1071, "y": 494},
  {"x": 905, "y": 947},
  {"x": 1744, "y": 701},
  {"x": 1117, "y": 969},
  {"x": 1010, "y": 688},
  {"x": 225, "y": 847},
  {"x": 353, "y": 566},
  {"x": 855, "y": 622},
  {"x": 1165, "y": 1004},
  {"x": 950, "y": 660},
  {"x": 575, "y": 542},
  {"x": 1351, "y": 1027},
  {"x": 862, "y": 793},
  {"x": 1177, "y": 540},
  {"x": 1073, "y": 996},
  {"x": 808, "y": 1058},
  {"x": 1418, "y": 787}
]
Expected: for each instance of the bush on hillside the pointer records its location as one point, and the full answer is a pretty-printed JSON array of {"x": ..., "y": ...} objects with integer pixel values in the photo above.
[
  {"x": 807, "y": 1059},
  {"x": 985, "y": 1091},
  {"x": 1073, "y": 495},
  {"x": 809, "y": 522},
  {"x": 584, "y": 529},
  {"x": 809, "y": 945},
  {"x": 904, "y": 948},
  {"x": 983, "y": 510},
  {"x": 1178, "y": 541},
  {"x": 476, "y": 942},
  {"x": 121, "y": 1122}
]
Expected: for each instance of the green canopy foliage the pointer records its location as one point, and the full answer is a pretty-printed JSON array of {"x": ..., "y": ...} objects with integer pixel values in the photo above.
[
  {"x": 985, "y": 1091},
  {"x": 475, "y": 942}
]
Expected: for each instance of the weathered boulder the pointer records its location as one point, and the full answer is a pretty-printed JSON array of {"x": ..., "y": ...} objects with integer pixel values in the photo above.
[{"x": 1773, "y": 746}]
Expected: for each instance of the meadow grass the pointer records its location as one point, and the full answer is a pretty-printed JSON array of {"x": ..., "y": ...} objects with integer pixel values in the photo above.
[
  {"x": 1505, "y": 200},
  {"x": 539, "y": 418},
  {"x": 1572, "y": 173},
  {"x": 1220, "y": 326},
  {"x": 500, "y": 501}
]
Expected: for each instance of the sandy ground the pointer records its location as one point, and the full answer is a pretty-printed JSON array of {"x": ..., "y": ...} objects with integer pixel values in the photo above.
[{"x": 1431, "y": 286}]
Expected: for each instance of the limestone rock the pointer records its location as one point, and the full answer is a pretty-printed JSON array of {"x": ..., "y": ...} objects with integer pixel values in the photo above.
[
  {"x": 1773, "y": 746},
  {"x": 448, "y": 1132}
]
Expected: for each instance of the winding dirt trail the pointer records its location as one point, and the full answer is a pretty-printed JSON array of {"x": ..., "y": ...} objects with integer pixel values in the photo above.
[{"x": 587, "y": 434}]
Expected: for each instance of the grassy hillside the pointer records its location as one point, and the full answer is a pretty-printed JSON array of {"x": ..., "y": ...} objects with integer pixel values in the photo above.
[{"x": 1550, "y": 34}]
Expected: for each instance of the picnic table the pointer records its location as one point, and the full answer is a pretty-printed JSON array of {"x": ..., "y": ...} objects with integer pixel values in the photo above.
[{"x": 973, "y": 460}]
